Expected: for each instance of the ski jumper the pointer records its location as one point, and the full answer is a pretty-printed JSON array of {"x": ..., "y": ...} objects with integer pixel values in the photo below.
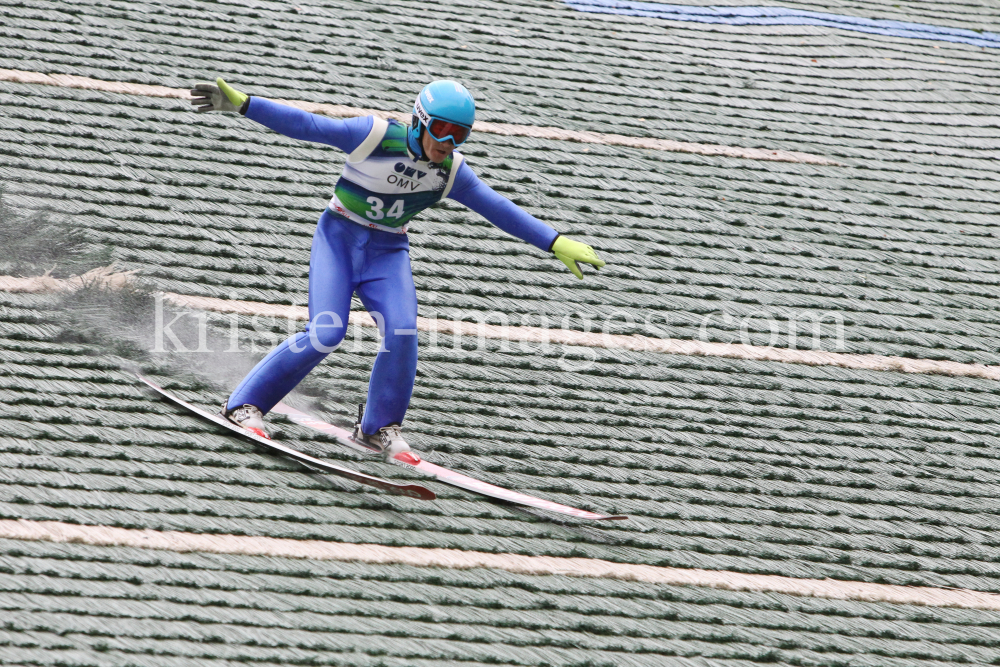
[{"x": 361, "y": 246}]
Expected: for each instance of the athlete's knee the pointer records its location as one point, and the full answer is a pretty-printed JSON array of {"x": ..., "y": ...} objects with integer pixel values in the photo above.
[
  {"x": 400, "y": 336},
  {"x": 326, "y": 331}
]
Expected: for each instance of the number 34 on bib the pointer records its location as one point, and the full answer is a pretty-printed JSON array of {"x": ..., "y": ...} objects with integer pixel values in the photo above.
[{"x": 376, "y": 212}]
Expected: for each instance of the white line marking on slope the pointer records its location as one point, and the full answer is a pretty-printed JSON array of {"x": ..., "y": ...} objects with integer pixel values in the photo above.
[
  {"x": 54, "y": 531},
  {"x": 104, "y": 276},
  {"x": 506, "y": 129},
  {"x": 696, "y": 348}
]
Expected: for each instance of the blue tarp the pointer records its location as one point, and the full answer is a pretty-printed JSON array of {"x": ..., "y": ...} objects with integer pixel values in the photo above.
[{"x": 785, "y": 16}]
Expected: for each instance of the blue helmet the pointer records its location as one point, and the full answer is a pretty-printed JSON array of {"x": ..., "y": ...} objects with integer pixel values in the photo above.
[{"x": 446, "y": 110}]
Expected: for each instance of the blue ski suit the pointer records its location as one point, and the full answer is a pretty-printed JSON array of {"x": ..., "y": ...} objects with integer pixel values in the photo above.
[{"x": 360, "y": 245}]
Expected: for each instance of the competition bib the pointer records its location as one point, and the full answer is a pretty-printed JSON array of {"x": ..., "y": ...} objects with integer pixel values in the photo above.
[{"x": 383, "y": 187}]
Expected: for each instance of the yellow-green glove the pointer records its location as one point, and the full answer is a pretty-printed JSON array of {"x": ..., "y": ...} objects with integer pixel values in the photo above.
[
  {"x": 571, "y": 253},
  {"x": 220, "y": 97}
]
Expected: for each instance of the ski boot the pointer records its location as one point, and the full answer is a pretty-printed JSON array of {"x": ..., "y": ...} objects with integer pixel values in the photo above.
[
  {"x": 248, "y": 417},
  {"x": 389, "y": 439}
]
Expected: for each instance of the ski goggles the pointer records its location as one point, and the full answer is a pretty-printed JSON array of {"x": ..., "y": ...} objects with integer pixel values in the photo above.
[
  {"x": 443, "y": 130},
  {"x": 440, "y": 129}
]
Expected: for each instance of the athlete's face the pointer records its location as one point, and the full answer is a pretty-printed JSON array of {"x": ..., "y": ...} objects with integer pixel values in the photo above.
[{"x": 436, "y": 150}]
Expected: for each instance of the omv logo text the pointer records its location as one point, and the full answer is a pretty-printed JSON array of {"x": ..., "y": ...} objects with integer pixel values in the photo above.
[{"x": 404, "y": 175}]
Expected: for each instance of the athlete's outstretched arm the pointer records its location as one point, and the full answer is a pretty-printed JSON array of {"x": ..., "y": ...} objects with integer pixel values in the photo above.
[
  {"x": 346, "y": 134},
  {"x": 514, "y": 220},
  {"x": 502, "y": 212},
  {"x": 295, "y": 123}
]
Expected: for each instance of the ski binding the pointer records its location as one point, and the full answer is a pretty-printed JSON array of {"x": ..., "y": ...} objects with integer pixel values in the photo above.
[
  {"x": 410, "y": 490},
  {"x": 413, "y": 461}
]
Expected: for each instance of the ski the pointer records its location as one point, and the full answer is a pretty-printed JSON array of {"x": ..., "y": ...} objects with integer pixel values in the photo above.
[
  {"x": 410, "y": 490},
  {"x": 413, "y": 461}
]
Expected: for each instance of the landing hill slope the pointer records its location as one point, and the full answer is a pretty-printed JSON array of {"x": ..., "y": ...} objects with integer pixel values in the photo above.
[{"x": 723, "y": 464}]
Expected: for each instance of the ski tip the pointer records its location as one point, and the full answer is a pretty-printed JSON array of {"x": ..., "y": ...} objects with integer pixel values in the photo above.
[{"x": 614, "y": 517}]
